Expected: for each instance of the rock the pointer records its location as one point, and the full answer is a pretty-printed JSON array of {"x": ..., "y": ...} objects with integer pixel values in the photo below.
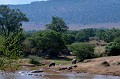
[
  {"x": 69, "y": 67},
  {"x": 75, "y": 66},
  {"x": 29, "y": 74},
  {"x": 21, "y": 72},
  {"x": 51, "y": 64},
  {"x": 86, "y": 61},
  {"x": 105, "y": 63},
  {"x": 63, "y": 68},
  {"x": 36, "y": 71}
]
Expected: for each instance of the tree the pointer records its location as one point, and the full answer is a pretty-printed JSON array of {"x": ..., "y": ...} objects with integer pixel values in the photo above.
[
  {"x": 11, "y": 20},
  {"x": 49, "y": 43},
  {"x": 11, "y": 51},
  {"x": 57, "y": 25},
  {"x": 12, "y": 37},
  {"x": 68, "y": 38},
  {"x": 82, "y": 37},
  {"x": 82, "y": 50}
]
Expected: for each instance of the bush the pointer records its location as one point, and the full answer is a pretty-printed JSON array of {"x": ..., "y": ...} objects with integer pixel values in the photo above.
[
  {"x": 82, "y": 51},
  {"x": 35, "y": 60},
  {"x": 113, "y": 49}
]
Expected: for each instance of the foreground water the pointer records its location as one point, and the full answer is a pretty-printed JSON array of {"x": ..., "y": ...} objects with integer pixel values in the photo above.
[{"x": 27, "y": 75}]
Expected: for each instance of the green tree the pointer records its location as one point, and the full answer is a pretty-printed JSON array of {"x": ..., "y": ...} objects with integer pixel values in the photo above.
[
  {"x": 68, "y": 38},
  {"x": 11, "y": 51},
  {"x": 49, "y": 43},
  {"x": 81, "y": 37},
  {"x": 12, "y": 37},
  {"x": 11, "y": 20},
  {"x": 57, "y": 25},
  {"x": 82, "y": 50}
]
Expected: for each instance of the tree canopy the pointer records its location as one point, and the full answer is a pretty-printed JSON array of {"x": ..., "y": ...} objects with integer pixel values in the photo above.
[
  {"x": 57, "y": 25},
  {"x": 12, "y": 37},
  {"x": 47, "y": 43},
  {"x": 11, "y": 20}
]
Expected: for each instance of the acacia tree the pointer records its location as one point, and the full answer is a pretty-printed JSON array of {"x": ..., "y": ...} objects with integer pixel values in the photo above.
[
  {"x": 57, "y": 25},
  {"x": 11, "y": 20}
]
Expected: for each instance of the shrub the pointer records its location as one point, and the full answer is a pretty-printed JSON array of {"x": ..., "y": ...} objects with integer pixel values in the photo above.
[
  {"x": 113, "y": 49},
  {"x": 34, "y": 60},
  {"x": 82, "y": 51}
]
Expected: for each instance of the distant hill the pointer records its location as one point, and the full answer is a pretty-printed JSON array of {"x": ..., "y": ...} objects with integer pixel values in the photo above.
[{"x": 74, "y": 12}]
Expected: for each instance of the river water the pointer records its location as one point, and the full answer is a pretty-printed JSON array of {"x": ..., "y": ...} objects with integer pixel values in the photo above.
[{"x": 43, "y": 75}]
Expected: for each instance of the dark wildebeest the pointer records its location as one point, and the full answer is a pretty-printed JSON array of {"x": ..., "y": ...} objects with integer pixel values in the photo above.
[
  {"x": 74, "y": 61},
  {"x": 51, "y": 64}
]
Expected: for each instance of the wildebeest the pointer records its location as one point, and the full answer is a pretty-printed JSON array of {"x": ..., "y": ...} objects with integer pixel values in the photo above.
[
  {"x": 51, "y": 64},
  {"x": 74, "y": 61}
]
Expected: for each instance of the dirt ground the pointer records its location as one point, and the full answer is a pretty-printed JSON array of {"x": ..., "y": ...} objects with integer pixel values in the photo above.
[{"x": 96, "y": 66}]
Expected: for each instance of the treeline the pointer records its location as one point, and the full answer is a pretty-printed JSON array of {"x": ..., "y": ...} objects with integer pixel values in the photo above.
[
  {"x": 54, "y": 41},
  {"x": 83, "y": 35},
  {"x": 49, "y": 40}
]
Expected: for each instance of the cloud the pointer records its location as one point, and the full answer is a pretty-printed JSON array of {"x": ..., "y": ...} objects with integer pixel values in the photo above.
[{"x": 18, "y": 1}]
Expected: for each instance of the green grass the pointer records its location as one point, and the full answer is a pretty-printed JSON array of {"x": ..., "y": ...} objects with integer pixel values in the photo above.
[{"x": 60, "y": 61}]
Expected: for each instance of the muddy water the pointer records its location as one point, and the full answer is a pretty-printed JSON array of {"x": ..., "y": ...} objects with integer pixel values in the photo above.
[{"x": 43, "y": 75}]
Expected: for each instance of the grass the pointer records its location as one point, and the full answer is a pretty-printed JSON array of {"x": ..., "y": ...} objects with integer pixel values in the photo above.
[{"x": 58, "y": 62}]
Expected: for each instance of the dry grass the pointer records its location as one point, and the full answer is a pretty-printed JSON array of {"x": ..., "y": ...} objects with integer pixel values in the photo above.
[{"x": 99, "y": 50}]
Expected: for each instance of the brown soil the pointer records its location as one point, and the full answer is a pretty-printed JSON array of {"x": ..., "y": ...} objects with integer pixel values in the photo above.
[{"x": 95, "y": 66}]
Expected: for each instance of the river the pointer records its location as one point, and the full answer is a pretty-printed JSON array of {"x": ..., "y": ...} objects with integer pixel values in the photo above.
[{"x": 44, "y": 75}]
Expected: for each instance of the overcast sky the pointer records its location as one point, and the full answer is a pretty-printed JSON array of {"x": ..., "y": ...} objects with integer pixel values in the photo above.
[{"x": 18, "y": 1}]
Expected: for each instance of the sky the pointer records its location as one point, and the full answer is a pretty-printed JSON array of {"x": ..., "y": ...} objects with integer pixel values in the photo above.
[{"x": 18, "y": 1}]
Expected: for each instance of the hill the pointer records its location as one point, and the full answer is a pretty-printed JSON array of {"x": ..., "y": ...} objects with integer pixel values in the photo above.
[{"x": 74, "y": 12}]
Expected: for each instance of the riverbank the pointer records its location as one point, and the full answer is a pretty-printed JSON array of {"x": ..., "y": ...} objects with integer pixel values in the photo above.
[{"x": 102, "y": 65}]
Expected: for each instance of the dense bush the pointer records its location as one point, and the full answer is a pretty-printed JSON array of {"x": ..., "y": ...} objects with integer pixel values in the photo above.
[
  {"x": 49, "y": 43},
  {"x": 108, "y": 35},
  {"x": 113, "y": 49},
  {"x": 82, "y": 50},
  {"x": 68, "y": 38}
]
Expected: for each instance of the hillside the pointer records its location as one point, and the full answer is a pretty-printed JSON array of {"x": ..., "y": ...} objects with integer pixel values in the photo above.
[{"x": 74, "y": 12}]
